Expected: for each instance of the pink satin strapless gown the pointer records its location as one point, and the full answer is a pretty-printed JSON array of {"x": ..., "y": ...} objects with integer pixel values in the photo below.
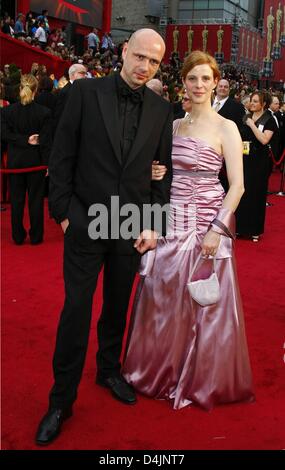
[{"x": 176, "y": 349}]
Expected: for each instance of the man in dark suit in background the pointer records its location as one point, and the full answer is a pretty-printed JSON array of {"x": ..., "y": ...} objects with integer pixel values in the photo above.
[
  {"x": 75, "y": 72},
  {"x": 226, "y": 106},
  {"x": 110, "y": 132},
  {"x": 281, "y": 120},
  {"x": 275, "y": 142},
  {"x": 229, "y": 109}
]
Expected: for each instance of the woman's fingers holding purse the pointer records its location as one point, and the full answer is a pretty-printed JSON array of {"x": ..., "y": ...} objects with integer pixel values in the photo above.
[{"x": 210, "y": 244}]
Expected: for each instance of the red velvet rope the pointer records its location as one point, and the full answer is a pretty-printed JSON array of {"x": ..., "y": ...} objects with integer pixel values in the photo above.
[
  {"x": 273, "y": 158},
  {"x": 23, "y": 170}
]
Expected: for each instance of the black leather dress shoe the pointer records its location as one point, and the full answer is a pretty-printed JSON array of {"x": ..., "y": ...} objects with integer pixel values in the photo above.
[
  {"x": 20, "y": 241},
  {"x": 120, "y": 389},
  {"x": 36, "y": 242},
  {"x": 50, "y": 426}
]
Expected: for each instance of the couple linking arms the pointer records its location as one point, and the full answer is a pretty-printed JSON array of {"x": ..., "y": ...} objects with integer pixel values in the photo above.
[{"x": 176, "y": 349}]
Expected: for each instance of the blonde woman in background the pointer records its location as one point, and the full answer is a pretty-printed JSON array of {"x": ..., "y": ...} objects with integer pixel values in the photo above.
[{"x": 27, "y": 129}]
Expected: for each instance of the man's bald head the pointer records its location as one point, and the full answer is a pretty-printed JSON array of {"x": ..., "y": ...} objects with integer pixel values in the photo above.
[
  {"x": 149, "y": 35},
  {"x": 142, "y": 56},
  {"x": 155, "y": 85},
  {"x": 223, "y": 89}
]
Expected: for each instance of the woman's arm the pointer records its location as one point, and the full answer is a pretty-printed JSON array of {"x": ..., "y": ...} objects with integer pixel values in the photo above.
[
  {"x": 223, "y": 224},
  {"x": 232, "y": 151},
  {"x": 263, "y": 137}
]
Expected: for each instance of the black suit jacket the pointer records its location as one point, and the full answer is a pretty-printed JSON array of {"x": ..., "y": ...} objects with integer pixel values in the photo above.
[
  {"x": 18, "y": 124},
  {"x": 234, "y": 111},
  {"x": 275, "y": 139},
  {"x": 281, "y": 120},
  {"x": 86, "y": 166},
  {"x": 178, "y": 111},
  {"x": 61, "y": 99},
  {"x": 48, "y": 99}
]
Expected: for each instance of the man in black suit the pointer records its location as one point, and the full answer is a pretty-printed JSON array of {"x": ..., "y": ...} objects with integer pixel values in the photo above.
[
  {"x": 275, "y": 142},
  {"x": 75, "y": 72},
  {"x": 229, "y": 109},
  {"x": 281, "y": 120},
  {"x": 110, "y": 132},
  {"x": 226, "y": 106}
]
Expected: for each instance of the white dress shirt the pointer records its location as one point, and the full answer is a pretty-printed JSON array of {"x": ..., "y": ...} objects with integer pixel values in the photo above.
[
  {"x": 222, "y": 102},
  {"x": 274, "y": 117}
]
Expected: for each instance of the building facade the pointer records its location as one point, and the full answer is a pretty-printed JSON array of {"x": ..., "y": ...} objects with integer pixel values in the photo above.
[
  {"x": 129, "y": 15},
  {"x": 246, "y": 11},
  {"x": 234, "y": 31}
]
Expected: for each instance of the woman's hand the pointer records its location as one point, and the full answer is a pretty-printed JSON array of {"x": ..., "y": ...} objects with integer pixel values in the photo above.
[
  {"x": 34, "y": 139},
  {"x": 210, "y": 244},
  {"x": 147, "y": 241},
  {"x": 249, "y": 122},
  {"x": 158, "y": 171},
  {"x": 64, "y": 224}
]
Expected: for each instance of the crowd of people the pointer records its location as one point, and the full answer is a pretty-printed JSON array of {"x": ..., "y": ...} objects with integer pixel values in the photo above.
[
  {"x": 234, "y": 99},
  {"x": 115, "y": 136},
  {"x": 102, "y": 56}
]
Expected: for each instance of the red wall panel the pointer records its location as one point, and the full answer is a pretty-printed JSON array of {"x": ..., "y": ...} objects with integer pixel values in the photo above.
[{"x": 23, "y": 55}]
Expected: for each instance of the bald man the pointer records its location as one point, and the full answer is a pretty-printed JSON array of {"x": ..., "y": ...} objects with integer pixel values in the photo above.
[
  {"x": 156, "y": 86},
  {"x": 229, "y": 108},
  {"x": 110, "y": 132},
  {"x": 75, "y": 72},
  {"x": 226, "y": 106}
]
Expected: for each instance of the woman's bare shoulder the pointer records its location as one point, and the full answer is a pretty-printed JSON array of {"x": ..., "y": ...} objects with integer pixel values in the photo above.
[{"x": 227, "y": 125}]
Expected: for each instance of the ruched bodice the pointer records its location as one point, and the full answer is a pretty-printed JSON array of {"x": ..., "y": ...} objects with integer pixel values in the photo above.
[
  {"x": 190, "y": 153},
  {"x": 196, "y": 192}
]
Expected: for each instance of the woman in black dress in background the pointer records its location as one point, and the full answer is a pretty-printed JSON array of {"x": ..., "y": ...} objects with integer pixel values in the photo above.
[{"x": 257, "y": 131}]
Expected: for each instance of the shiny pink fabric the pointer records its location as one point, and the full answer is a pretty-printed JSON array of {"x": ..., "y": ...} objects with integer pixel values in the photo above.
[
  {"x": 225, "y": 223},
  {"x": 177, "y": 349}
]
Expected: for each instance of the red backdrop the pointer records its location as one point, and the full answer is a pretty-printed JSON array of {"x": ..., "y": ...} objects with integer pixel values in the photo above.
[
  {"x": 23, "y": 55},
  {"x": 197, "y": 43},
  {"x": 250, "y": 47}
]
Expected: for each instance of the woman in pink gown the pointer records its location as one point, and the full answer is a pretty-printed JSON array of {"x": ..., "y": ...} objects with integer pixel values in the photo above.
[{"x": 176, "y": 349}]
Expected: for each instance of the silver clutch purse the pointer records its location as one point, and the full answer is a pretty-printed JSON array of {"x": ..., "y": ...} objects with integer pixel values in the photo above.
[{"x": 204, "y": 291}]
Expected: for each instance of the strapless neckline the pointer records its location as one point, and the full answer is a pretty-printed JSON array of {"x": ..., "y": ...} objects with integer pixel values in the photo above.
[{"x": 197, "y": 139}]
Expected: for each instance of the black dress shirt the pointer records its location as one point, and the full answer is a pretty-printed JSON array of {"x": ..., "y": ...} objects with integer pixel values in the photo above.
[{"x": 130, "y": 107}]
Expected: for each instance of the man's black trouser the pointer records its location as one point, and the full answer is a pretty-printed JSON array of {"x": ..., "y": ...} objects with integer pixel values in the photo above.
[{"x": 82, "y": 266}]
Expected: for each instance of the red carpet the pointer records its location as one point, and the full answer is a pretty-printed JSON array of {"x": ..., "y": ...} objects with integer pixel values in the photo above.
[{"x": 32, "y": 298}]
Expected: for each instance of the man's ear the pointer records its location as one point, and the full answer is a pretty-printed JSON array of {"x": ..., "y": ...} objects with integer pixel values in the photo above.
[{"x": 124, "y": 51}]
